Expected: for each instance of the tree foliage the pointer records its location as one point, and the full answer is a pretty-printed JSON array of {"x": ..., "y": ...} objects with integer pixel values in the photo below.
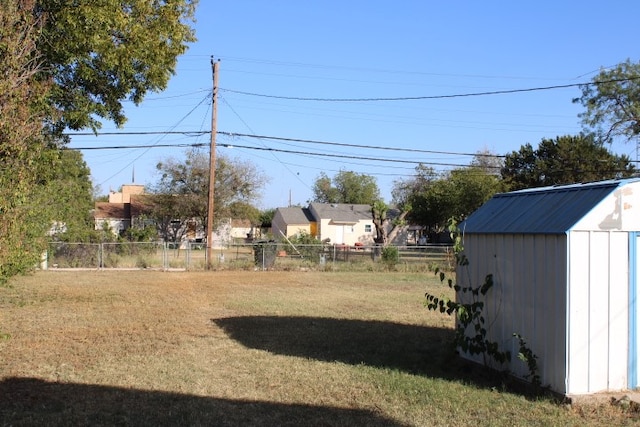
[
  {"x": 22, "y": 225},
  {"x": 346, "y": 187},
  {"x": 64, "y": 187},
  {"x": 266, "y": 217},
  {"x": 563, "y": 160},
  {"x": 69, "y": 65},
  {"x": 99, "y": 53},
  {"x": 488, "y": 161},
  {"x": 612, "y": 102},
  {"x": 181, "y": 192},
  {"x": 454, "y": 195},
  {"x": 404, "y": 189}
]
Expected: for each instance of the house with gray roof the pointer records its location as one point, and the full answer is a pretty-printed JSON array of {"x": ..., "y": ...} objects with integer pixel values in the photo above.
[
  {"x": 291, "y": 221},
  {"x": 337, "y": 223}
]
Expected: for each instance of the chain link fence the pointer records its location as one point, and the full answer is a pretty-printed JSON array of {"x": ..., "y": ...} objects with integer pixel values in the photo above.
[{"x": 260, "y": 255}]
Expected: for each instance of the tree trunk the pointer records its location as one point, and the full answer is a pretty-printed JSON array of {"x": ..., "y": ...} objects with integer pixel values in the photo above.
[{"x": 396, "y": 228}]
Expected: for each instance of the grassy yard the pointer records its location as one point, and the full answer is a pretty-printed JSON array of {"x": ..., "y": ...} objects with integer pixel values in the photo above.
[{"x": 246, "y": 348}]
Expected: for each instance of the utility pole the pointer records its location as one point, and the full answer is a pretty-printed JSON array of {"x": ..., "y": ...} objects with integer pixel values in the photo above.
[{"x": 212, "y": 160}]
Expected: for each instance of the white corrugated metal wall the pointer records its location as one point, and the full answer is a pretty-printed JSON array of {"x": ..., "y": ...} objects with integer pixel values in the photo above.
[
  {"x": 598, "y": 330},
  {"x": 528, "y": 297},
  {"x": 570, "y": 303}
]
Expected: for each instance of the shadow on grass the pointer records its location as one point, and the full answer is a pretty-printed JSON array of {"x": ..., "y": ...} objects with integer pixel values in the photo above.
[
  {"x": 29, "y": 401},
  {"x": 410, "y": 348},
  {"x": 420, "y": 350}
]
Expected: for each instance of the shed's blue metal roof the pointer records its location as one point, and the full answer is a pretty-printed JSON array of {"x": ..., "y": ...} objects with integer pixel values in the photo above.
[{"x": 545, "y": 210}]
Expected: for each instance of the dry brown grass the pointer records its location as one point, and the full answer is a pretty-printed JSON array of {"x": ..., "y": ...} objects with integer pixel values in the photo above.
[{"x": 245, "y": 348}]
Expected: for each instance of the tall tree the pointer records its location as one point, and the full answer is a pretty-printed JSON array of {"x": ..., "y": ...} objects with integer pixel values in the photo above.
[
  {"x": 99, "y": 53},
  {"x": 612, "y": 102},
  {"x": 22, "y": 225},
  {"x": 563, "y": 160},
  {"x": 181, "y": 192},
  {"x": 346, "y": 187},
  {"x": 65, "y": 191},
  {"x": 69, "y": 65},
  {"x": 404, "y": 189},
  {"x": 456, "y": 194},
  {"x": 488, "y": 161}
]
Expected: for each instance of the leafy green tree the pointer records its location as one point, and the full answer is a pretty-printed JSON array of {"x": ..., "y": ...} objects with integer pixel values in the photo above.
[
  {"x": 563, "y": 160},
  {"x": 181, "y": 193},
  {"x": 69, "y": 65},
  {"x": 99, "y": 53},
  {"x": 22, "y": 111},
  {"x": 455, "y": 195},
  {"x": 65, "y": 189},
  {"x": 141, "y": 231},
  {"x": 244, "y": 210},
  {"x": 266, "y": 217},
  {"x": 404, "y": 189},
  {"x": 612, "y": 102},
  {"x": 346, "y": 187}
]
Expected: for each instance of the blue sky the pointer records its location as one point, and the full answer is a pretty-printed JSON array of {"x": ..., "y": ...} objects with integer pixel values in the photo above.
[{"x": 371, "y": 49}]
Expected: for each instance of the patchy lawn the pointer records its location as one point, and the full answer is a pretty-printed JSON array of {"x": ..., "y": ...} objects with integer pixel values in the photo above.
[{"x": 245, "y": 349}]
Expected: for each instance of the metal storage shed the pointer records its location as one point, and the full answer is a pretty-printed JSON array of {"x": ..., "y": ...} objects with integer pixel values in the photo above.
[{"x": 564, "y": 261}]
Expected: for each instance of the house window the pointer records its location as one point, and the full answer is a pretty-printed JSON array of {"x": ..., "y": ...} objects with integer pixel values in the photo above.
[{"x": 367, "y": 228}]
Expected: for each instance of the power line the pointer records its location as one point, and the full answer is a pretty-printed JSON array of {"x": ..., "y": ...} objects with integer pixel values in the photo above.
[
  {"x": 375, "y": 147},
  {"x": 276, "y": 150},
  {"x": 416, "y": 98},
  {"x": 185, "y": 133},
  {"x": 136, "y": 147},
  {"x": 159, "y": 139},
  {"x": 274, "y": 138},
  {"x": 273, "y": 155},
  {"x": 271, "y": 62}
]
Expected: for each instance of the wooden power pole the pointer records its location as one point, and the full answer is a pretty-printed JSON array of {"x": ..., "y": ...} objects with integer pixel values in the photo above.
[{"x": 212, "y": 161}]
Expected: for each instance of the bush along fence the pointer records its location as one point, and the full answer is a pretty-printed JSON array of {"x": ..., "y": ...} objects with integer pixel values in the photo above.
[{"x": 259, "y": 255}]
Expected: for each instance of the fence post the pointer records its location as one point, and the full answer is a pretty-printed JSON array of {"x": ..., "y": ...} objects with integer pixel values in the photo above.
[
  {"x": 187, "y": 257},
  {"x": 101, "y": 256},
  {"x": 165, "y": 265}
]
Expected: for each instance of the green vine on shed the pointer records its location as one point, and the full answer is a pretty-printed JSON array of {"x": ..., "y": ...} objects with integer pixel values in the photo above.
[{"x": 471, "y": 330}]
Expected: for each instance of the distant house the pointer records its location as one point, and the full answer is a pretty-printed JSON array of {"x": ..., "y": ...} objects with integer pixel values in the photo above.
[
  {"x": 344, "y": 223},
  {"x": 337, "y": 223},
  {"x": 234, "y": 231},
  {"x": 243, "y": 229},
  {"x": 293, "y": 220},
  {"x": 130, "y": 207},
  {"x": 114, "y": 216}
]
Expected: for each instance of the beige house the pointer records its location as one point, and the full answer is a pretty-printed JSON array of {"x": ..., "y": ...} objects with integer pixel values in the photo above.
[
  {"x": 293, "y": 220},
  {"x": 114, "y": 216},
  {"x": 117, "y": 213},
  {"x": 344, "y": 224},
  {"x": 127, "y": 207},
  {"x": 337, "y": 223}
]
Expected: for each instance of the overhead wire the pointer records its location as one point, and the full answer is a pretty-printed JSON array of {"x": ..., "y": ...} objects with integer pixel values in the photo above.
[
  {"x": 275, "y": 138},
  {"x": 273, "y": 155},
  {"x": 303, "y": 153},
  {"x": 426, "y": 97},
  {"x": 159, "y": 139}
]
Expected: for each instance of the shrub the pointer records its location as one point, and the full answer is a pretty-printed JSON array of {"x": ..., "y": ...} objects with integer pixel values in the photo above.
[{"x": 390, "y": 255}]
